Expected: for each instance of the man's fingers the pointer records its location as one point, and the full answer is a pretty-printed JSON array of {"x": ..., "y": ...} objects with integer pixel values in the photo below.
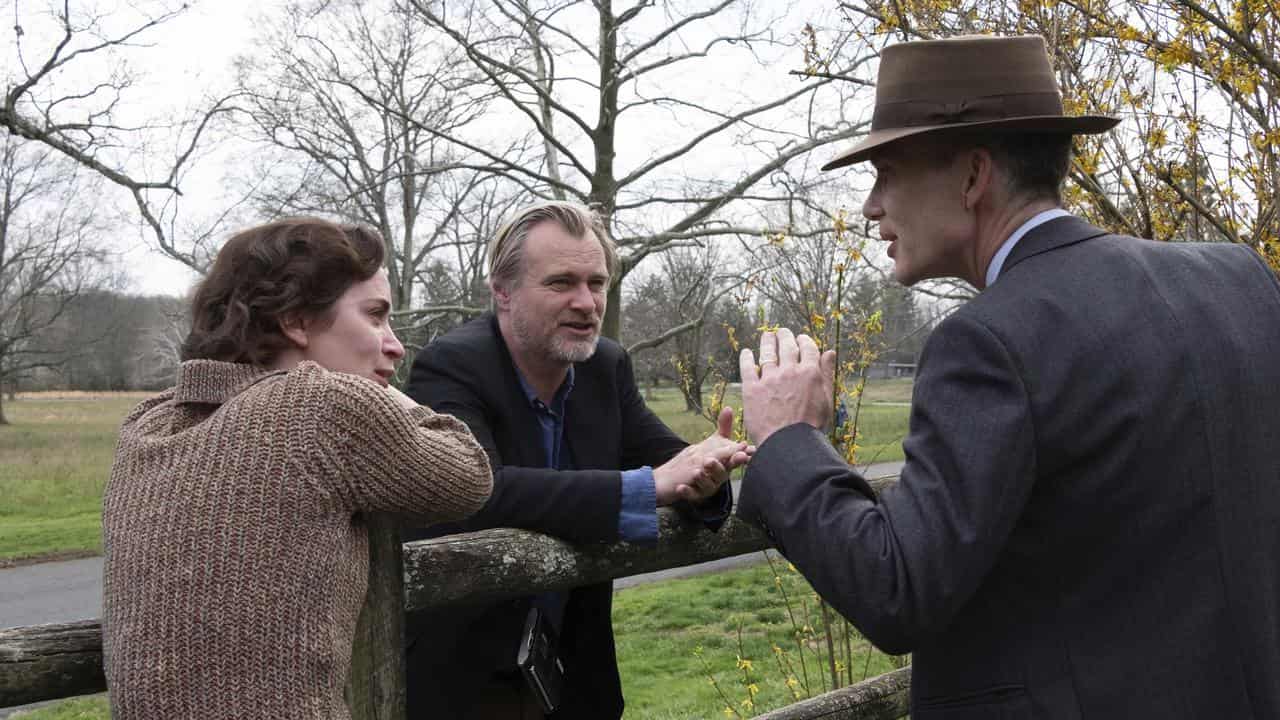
[
  {"x": 724, "y": 423},
  {"x": 747, "y": 367},
  {"x": 768, "y": 349},
  {"x": 711, "y": 467},
  {"x": 722, "y": 452},
  {"x": 808, "y": 350},
  {"x": 828, "y": 365},
  {"x": 713, "y": 474},
  {"x": 788, "y": 351}
]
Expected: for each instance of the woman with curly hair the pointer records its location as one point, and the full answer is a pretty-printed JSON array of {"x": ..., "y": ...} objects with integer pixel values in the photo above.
[{"x": 233, "y": 522}]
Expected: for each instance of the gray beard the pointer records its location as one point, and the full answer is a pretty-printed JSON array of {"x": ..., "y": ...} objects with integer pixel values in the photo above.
[
  {"x": 556, "y": 348},
  {"x": 572, "y": 351}
]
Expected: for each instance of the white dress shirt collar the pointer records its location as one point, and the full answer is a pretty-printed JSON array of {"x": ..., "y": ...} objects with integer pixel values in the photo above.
[{"x": 997, "y": 262}]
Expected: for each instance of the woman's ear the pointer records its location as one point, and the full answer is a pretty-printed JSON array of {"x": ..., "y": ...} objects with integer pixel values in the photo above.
[{"x": 294, "y": 328}]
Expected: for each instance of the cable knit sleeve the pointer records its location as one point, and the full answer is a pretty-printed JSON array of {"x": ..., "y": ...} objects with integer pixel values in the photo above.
[{"x": 382, "y": 457}]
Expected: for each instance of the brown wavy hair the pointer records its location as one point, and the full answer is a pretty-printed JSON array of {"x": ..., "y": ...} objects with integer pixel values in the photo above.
[{"x": 297, "y": 267}]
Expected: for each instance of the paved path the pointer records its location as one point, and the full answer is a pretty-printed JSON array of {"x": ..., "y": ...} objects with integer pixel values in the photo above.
[
  {"x": 51, "y": 592},
  {"x": 72, "y": 589}
]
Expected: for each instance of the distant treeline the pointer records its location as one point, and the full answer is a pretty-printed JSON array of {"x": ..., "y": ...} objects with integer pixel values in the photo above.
[
  {"x": 105, "y": 340},
  {"x": 111, "y": 341}
]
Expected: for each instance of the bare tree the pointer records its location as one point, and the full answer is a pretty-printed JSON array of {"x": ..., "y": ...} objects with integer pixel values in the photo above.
[
  {"x": 588, "y": 83},
  {"x": 49, "y": 254},
  {"x": 157, "y": 349},
  {"x": 1198, "y": 86},
  {"x": 683, "y": 300},
  {"x": 68, "y": 94},
  {"x": 353, "y": 99}
]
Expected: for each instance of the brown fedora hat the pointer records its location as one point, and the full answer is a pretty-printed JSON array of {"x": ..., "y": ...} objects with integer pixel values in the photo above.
[{"x": 970, "y": 82}]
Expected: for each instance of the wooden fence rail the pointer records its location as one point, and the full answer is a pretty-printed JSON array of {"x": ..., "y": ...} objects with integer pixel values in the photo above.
[{"x": 45, "y": 662}]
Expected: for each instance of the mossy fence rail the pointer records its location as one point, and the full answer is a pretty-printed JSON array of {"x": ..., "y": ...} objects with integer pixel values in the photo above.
[{"x": 46, "y": 662}]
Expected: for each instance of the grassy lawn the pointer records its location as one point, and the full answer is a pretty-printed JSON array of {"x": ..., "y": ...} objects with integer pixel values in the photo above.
[
  {"x": 893, "y": 390},
  {"x": 675, "y": 636},
  {"x": 56, "y": 455},
  {"x": 659, "y": 628},
  {"x": 90, "y": 707},
  {"x": 882, "y": 421},
  {"x": 54, "y": 461}
]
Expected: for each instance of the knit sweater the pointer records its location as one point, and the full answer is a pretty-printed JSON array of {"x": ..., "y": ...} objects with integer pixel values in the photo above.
[{"x": 236, "y": 553}]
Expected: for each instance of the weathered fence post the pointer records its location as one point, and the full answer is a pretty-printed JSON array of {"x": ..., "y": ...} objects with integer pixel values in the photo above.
[
  {"x": 375, "y": 688},
  {"x": 886, "y": 697},
  {"x": 50, "y": 661}
]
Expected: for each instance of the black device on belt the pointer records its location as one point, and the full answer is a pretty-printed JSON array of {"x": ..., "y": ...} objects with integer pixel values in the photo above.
[{"x": 538, "y": 660}]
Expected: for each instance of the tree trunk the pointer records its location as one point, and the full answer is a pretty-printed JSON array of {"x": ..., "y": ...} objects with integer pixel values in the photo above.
[
  {"x": 611, "y": 327},
  {"x": 692, "y": 399},
  {"x": 3, "y": 420},
  {"x": 604, "y": 186},
  {"x": 691, "y": 388}
]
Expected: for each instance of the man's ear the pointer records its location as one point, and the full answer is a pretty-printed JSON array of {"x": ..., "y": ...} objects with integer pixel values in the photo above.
[
  {"x": 979, "y": 177},
  {"x": 501, "y": 296},
  {"x": 295, "y": 328}
]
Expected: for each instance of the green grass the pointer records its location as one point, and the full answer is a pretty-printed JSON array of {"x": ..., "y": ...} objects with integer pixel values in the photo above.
[
  {"x": 55, "y": 458},
  {"x": 662, "y": 628},
  {"x": 882, "y": 420},
  {"x": 894, "y": 390},
  {"x": 90, "y": 707}
]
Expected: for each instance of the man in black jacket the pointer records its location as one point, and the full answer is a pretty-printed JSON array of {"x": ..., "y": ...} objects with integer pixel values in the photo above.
[{"x": 575, "y": 454}]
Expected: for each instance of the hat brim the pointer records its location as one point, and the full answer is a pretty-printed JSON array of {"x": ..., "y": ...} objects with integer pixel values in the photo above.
[{"x": 1079, "y": 124}]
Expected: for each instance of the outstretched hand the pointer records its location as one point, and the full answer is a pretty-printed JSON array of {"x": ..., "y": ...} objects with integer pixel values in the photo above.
[
  {"x": 699, "y": 470},
  {"x": 792, "y": 383}
]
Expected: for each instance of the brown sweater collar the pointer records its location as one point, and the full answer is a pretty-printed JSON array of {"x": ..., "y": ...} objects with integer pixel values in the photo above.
[{"x": 214, "y": 382}]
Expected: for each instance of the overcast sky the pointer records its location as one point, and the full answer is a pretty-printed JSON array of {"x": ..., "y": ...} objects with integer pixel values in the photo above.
[{"x": 190, "y": 56}]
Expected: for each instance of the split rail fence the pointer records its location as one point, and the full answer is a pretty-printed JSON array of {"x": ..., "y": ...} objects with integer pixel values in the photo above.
[{"x": 45, "y": 662}]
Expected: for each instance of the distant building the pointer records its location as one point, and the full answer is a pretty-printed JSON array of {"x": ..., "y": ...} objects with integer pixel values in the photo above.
[{"x": 882, "y": 370}]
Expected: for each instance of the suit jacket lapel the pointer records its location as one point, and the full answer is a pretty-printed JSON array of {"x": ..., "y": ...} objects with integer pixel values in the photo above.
[
  {"x": 1051, "y": 235},
  {"x": 585, "y": 430},
  {"x": 522, "y": 423}
]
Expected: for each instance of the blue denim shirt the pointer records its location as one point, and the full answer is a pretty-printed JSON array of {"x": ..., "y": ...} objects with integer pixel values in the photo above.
[{"x": 638, "y": 519}]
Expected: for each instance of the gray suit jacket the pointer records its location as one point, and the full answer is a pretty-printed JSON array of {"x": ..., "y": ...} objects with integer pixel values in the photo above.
[{"x": 1088, "y": 521}]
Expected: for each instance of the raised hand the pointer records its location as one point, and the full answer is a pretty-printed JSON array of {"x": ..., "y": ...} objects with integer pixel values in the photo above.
[{"x": 792, "y": 383}]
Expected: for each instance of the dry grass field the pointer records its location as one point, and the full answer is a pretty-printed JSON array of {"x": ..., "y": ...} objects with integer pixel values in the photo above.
[{"x": 55, "y": 457}]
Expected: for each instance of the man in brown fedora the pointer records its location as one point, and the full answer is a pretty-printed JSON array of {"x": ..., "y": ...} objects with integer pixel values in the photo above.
[{"x": 1088, "y": 521}]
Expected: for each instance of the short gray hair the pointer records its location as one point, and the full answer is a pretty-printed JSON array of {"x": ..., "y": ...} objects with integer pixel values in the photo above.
[
  {"x": 506, "y": 250},
  {"x": 1035, "y": 164}
]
